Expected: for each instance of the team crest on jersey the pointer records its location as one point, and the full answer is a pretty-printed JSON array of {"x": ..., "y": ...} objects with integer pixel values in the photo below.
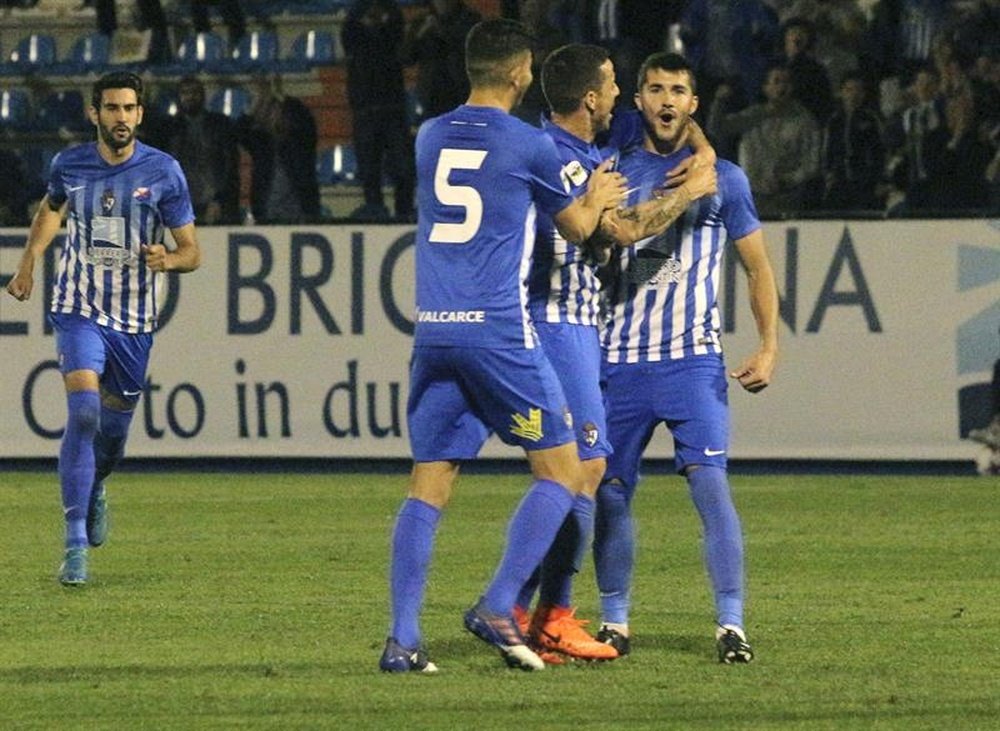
[
  {"x": 108, "y": 201},
  {"x": 590, "y": 433},
  {"x": 527, "y": 427},
  {"x": 141, "y": 194},
  {"x": 573, "y": 175}
]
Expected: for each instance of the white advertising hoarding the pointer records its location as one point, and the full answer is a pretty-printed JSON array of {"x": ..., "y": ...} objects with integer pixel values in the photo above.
[{"x": 294, "y": 342}]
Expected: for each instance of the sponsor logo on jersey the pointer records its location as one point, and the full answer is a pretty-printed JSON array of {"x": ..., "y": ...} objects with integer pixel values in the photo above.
[
  {"x": 590, "y": 434},
  {"x": 463, "y": 316},
  {"x": 527, "y": 427},
  {"x": 141, "y": 194}
]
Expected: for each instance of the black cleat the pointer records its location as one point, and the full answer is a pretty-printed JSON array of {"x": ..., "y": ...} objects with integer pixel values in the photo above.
[
  {"x": 616, "y": 639},
  {"x": 733, "y": 645}
]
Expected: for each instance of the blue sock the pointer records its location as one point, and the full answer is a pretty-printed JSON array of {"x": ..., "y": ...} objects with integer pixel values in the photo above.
[
  {"x": 709, "y": 488},
  {"x": 529, "y": 536},
  {"x": 564, "y": 559},
  {"x": 412, "y": 545},
  {"x": 527, "y": 592},
  {"x": 614, "y": 550},
  {"x": 76, "y": 462},
  {"x": 109, "y": 443}
]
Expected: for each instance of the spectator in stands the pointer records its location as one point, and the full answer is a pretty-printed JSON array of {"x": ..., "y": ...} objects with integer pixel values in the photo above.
[
  {"x": 435, "y": 42},
  {"x": 810, "y": 82},
  {"x": 779, "y": 145},
  {"x": 372, "y": 36},
  {"x": 204, "y": 144},
  {"x": 232, "y": 15},
  {"x": 959, "y": 182},
  {"x": 279, "y": 134},
  {"x": 853, "y": 151},
  {"x": 149, "y": 16},
  {"x": 838, "y": 26}
]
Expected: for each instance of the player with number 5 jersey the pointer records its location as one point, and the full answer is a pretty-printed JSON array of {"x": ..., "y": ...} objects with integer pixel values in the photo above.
[{"x": 477, "y": 367}]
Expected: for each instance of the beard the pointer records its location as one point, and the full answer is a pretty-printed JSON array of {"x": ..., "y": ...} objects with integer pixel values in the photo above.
[{"x": 113, "y": 141}]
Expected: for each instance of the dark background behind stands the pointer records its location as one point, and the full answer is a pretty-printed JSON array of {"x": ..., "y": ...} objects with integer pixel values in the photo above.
[{"x": 45, "y": 82}]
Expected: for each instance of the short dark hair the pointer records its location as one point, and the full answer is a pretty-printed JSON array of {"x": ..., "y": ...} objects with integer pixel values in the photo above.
[
  {"x": 666, "y": 61},
  {"x": 569, "y": 72},
  {"x": 491, "y": 47},
  {"x": 116, "y": 80}
]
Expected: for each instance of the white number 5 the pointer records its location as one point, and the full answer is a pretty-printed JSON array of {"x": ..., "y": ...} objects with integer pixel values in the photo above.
[{"x": 457, "y": 195}]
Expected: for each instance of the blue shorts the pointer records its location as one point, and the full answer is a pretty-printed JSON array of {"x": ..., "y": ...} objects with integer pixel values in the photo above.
[
  {"x": 459, "y": 395},
  {"x": 575, "y": 353},
  {"x": 688, "y": 395},
  {"x": 120, "y": 359}
]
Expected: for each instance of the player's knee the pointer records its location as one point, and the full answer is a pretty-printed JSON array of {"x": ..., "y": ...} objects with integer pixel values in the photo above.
[{"x": 593, "y": 473}]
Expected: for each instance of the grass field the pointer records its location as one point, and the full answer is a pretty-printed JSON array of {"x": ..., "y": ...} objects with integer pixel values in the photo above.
[{"x": 258, "y": 601}]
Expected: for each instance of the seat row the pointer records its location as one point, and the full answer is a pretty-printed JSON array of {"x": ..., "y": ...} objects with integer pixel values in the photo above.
[{"x": 208, "y": 51}]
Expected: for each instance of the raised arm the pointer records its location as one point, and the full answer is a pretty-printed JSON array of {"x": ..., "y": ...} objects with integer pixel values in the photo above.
[{"x": 45, "y": 225}]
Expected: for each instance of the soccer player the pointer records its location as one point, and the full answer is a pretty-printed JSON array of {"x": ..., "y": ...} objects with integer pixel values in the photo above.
[
  {"x": 663, "y": 357},
  {"x": 578, "y": 82},
  {"x": 477, "y": 367},
  {"x": 118, "y": 196}
]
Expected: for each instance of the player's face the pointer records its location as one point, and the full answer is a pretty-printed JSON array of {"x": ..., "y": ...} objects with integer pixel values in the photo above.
[
  {"x": 117, "y": 117},
  {"x": 666, "y": 102},
  {"x": 605, "y": 98}
]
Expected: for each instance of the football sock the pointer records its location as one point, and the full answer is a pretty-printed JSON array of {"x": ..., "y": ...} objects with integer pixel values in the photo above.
[
  {"x": 530, "y": 534},
  {"x": 527, "y": 592},
  {"x": 109, "y": 442},
  {"x": 723, "y": 538},
  {"x": 412, "y": 545},
  {"x": 614, "y": 551},
  {"x": 566, "y": 554},
  {"x": 76, "y": 462}
]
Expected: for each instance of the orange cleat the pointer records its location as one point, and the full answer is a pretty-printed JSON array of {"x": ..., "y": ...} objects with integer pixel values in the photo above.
[{"x": 556, "y": 629}]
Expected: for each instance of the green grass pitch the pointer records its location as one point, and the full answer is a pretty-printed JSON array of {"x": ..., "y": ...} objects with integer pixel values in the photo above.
[{"x": 259, "y": 601}]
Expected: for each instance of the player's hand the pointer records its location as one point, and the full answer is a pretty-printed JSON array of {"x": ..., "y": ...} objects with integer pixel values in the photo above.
[
  {"x": 156, "y": 257},
  {"x": 702, "y": 181},
  {"x": 607, "y": 188},
  {"x": 754, "y": 373},
  {"x": 20, "y": 286}
]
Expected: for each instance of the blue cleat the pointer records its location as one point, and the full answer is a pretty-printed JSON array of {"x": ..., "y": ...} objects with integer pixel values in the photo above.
[
  {"x": 73, "y": 571},
  {"x": 398, "y": 659},
  {"x": 502, "y": 633},
  {"x": 97, "y": 516}
]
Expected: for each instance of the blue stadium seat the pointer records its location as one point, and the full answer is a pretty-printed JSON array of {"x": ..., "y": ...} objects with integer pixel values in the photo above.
[
  {"x": 15, "y": 109},
  {"x": 256, "y": 49},
  {"x": 337, "y": 165},
  {"x": 313, "y": 48},
  {"x": 233, "y": 101},
  {"x": 34, "y": 52},
  {"x": 62, "y": 110},
  {"x": 91, "y": 52},
  {"x": 201, "y": 51}
]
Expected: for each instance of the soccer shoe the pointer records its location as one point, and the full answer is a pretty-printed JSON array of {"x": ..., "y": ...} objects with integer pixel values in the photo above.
[
  {"x": 556, "y": 629},
  {"x": 617, "y": 640},
  {"x": 73, "y": 571},
  {"x": 97, "y": 516},
  {"x": 398, "y": 659},
  {"x": 523, "y": 620},
  {"x": 733, "y": 645},
  {"x": 503, "y": 634}
]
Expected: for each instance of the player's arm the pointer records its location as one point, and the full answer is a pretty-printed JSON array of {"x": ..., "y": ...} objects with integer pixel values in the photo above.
[
  {"x": 185, "y": 258},
  {"x": 754, "y": 373},
  {"x": 703, "y": 155},
  {"x": 605, "y": 190},
  {"x": 45, "y": 225}
]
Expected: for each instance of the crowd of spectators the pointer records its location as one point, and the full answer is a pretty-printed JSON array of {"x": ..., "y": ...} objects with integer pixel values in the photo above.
[{"x": 833, "y": 107}]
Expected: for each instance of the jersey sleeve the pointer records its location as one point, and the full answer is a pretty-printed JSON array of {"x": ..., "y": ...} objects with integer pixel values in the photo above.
[
  {"x": 739, "y": 213},
  {"x": 175, "y": 205},
  {"x": 55, "y": 189},
  {"x": 549, "y": 190}
]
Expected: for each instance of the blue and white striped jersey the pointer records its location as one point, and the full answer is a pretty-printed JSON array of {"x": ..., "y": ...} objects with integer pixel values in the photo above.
[
  {"x": 563, "y": 287},
  {"x": 662, "y": 295},
  {"x": 113, "y": 211},
  {"x": 483, "y": 176}
]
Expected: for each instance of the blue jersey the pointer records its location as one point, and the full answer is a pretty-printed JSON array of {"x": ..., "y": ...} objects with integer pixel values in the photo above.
[
  {"x": 483, "y": 176},
  {"x": 662, "y": 302},
  {"x": 113, "y": 211},
  {"x": 564, "y": 287}
]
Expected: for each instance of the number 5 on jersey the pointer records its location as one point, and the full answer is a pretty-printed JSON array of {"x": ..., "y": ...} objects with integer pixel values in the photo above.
[{"x": 463, "y": 196}]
